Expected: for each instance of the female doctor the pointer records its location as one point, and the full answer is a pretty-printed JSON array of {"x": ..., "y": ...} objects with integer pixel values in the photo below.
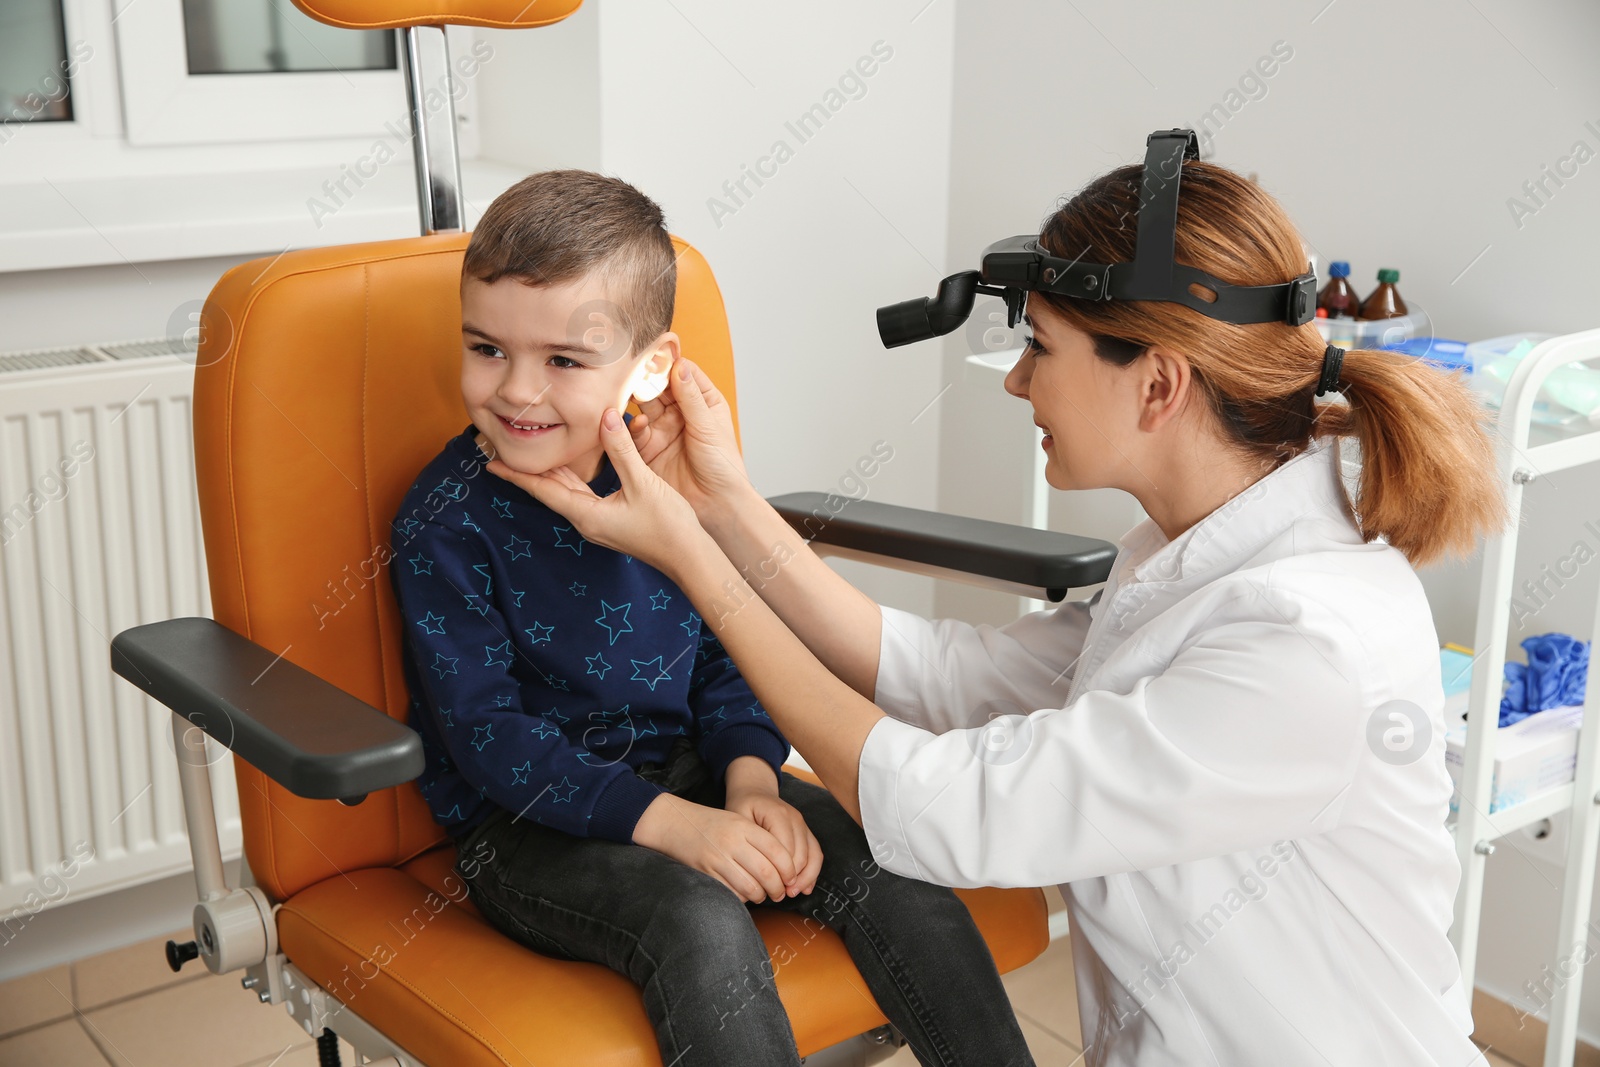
[{"x": 1231, "y": 758}]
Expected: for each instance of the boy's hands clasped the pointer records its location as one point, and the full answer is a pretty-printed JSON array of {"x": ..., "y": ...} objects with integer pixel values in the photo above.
[
  {"x": 752, "y": 791},
  {"x": 783, "y": 822},
  {"x": 757, "y": 845}
]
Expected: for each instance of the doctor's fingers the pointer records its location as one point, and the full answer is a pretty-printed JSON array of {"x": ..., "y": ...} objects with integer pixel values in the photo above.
[
  {"x": 695, "y": 395},
  {"x": 567, "y": 477},
  {"x": 559, "y": 483},
  {"x": 642, "y": 429},
  {"x": 653, "y": 434},
  {"x": 652, "y": 411}
]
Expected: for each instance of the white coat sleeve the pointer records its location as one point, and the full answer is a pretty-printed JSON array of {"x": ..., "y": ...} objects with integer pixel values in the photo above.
[
  {"x": 944, "y": 674},
  {"x": 1253, "y": 733}
]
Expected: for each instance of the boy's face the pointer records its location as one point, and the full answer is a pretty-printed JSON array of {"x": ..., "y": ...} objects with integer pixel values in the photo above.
[{"x": 551, "y": 358}]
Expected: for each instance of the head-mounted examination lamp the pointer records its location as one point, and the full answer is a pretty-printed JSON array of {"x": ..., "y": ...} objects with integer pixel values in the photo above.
[{"x": 1016, "y": 266}]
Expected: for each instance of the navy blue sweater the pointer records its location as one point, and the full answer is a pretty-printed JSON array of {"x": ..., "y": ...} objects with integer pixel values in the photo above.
[{"x": 544, "y": 668}]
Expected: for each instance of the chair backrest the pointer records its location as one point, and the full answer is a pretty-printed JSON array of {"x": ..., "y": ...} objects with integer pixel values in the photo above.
[
  {"x": 395, "y": 14},
  {"x": 326, "y": 379}
]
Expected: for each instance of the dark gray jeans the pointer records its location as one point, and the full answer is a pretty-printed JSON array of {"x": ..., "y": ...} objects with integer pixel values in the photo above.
[{"x": 690, "y": 946}]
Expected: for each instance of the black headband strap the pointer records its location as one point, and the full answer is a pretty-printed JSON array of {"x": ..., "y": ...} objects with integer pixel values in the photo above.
[
  {"x": 1157, "y": 222},
  {"x": 1332, "y": 361}
]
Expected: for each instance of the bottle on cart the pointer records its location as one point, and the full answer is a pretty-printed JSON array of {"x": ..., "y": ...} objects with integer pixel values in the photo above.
[
  {"x": 1339, "y": 297},
  {"x": 1384, "y": 302}
]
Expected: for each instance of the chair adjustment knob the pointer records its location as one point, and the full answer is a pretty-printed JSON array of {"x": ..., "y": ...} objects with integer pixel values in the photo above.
[{"x": 179, "y": 954}]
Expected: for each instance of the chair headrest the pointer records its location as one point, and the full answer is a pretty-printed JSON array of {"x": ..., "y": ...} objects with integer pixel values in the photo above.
[{"x": 398, "y": 14}]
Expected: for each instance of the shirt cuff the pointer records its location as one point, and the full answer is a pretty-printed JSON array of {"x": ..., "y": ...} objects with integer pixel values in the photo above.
[
  {"x": 889, "y": 744},
  {"x": 617, "y": 811},
  {"x": 742, "y": 739}
]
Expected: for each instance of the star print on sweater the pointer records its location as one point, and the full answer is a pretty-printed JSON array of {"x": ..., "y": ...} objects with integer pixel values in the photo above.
[{"x": 544, "y": 668}]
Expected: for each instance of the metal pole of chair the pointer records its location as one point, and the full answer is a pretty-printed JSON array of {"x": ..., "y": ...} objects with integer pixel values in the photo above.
[
  {"x": 194, "y": 777},
  {"x": 425, "y": 57}
]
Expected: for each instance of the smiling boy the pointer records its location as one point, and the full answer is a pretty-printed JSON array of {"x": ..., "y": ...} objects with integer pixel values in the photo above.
[{"x": 605, "y": 771}]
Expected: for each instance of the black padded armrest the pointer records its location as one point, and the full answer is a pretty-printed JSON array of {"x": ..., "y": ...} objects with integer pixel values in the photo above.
[
  {"x": 311, "y": 737},
  {"x": 1042, "y": 559}
]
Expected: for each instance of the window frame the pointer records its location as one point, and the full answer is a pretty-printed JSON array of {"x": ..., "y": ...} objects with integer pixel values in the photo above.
[
  {"x": 93, "y": 144},
  {"x": 164, "y": 104},
  {"x": 88, "y": 163}
]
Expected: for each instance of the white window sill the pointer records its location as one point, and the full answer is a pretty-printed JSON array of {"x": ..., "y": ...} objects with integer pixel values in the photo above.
[{"x": 45, "y": 225}]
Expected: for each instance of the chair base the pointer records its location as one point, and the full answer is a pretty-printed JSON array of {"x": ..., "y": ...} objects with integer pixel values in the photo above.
[
  {"x": 317, "y": 1012},
  {"x": 874, "y": 1046}
]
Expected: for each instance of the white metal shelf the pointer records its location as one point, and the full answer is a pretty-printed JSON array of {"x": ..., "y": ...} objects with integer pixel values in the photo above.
[{"x": 1519, "y": 463}]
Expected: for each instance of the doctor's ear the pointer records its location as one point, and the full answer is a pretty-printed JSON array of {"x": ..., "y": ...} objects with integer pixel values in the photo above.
[
  {"x": 1165, "y": 385},
  {"x": 649, "y": 378}
]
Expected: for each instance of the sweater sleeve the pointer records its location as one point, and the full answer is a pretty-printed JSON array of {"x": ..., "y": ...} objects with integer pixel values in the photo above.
[
  {"x": 730, "y": 719},
  {"x": 475, "y": 680}
]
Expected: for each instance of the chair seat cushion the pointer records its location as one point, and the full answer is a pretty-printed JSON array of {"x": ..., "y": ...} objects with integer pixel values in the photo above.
[{"x": 406, "y": 950}]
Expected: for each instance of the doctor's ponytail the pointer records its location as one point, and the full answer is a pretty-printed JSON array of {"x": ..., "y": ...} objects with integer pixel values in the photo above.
[{"x": 1428, "y": 481}]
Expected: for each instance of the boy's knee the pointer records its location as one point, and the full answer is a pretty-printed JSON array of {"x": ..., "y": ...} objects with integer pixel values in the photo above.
[{"x": 693, "y": 907}]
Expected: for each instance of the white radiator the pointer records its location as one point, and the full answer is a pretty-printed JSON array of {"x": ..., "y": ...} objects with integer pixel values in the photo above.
[{"x": 99, "y": 531}]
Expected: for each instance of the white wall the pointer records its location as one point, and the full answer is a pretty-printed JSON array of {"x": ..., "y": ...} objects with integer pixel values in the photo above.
[
  {"x": 691, "y": 92},
  {"x": 1394, "y": 136},
  {"x": 539, "y": 99}
]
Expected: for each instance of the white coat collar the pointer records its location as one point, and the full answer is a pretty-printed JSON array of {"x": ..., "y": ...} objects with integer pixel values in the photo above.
[{"x": 1308, "y": 484}]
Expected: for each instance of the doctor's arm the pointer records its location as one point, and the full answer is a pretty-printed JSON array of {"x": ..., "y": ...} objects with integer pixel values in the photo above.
[
  {"x": 839, "y": 623},
  {"x": 961, "y": 674},
  {"x": 1251, "y": 735},
  {"x": 824, "y": 718},
  {"x": 687, "y": 438},
  {"x": 691, "y": 445}
]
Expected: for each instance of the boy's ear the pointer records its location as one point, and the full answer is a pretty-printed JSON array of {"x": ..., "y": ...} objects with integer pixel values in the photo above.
[
  {"x": 649, "y": 379},
  {"x": 666, "y": 351}
]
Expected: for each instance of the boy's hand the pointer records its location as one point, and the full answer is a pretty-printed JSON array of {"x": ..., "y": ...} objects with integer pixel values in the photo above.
[
  {"x": 729, "y": 847},
  {"x": 752, "y": 791}
]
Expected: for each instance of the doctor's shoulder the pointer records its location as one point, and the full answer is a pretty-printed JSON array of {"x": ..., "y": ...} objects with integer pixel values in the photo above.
[{"x": 1359, "y": 607}]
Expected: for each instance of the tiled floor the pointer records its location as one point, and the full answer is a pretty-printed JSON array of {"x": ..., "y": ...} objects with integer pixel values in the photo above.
[{"x": 126, "y": 1009}]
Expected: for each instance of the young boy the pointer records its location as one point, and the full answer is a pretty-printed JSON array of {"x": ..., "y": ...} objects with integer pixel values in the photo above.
[{"x": 590, "y": 745}]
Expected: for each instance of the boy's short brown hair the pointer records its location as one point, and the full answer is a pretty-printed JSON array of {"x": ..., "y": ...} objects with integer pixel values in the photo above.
[{"x": 560, "y": 225}]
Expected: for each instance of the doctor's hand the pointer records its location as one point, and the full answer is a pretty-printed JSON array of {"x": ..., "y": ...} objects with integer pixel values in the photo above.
[
  {"x": 686, "y": 436},
  {"x": 729, "y": 847},
  {"x": 645, "y": 517}
]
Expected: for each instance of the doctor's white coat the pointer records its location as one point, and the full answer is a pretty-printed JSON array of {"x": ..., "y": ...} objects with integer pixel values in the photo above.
[{"x": 1233, "y": 761}]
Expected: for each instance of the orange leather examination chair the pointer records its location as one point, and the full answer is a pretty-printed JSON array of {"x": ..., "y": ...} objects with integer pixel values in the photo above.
[{"x": 326, "y": 378}]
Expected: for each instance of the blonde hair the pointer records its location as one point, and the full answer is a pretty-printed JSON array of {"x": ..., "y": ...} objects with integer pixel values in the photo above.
[{"x": 1428, "y": 481}]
